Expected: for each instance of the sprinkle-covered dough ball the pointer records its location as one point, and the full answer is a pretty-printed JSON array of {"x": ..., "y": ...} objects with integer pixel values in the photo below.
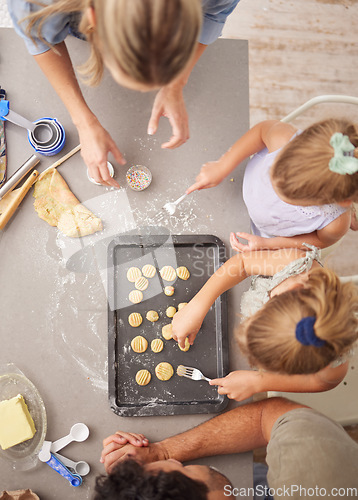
[
  {"x": 167, "y": 331},
  {"x": 133, "y": 273},
  {"x": 152, "y": 316},
  {"x": 143, "y": 377},
  {"x": 183, "y": 273},
  {"x": 157, "y": 345},
  {"x": 135, "y": 296},
  {"x": 135, "y": 319},
  {"x": 141, "y": 283},
  {"x": 168, "y": 273},
  {"x": 169, "y": 290},
  {"x": 170, "y": 311},
  {"x": 164, "y": 371},
  {"x": 139, "y": 344},
  {"x": 148, "y": 271}
]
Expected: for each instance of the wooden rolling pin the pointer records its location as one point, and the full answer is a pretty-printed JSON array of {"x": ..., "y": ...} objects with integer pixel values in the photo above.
[{"x": 15, "y": 197}]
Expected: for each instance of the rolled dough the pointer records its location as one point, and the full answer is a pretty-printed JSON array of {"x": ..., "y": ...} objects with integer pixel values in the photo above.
[{"x": 56, "y": 204}]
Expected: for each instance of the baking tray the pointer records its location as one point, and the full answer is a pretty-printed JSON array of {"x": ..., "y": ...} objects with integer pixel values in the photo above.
[{"x": 202, "y": 255}]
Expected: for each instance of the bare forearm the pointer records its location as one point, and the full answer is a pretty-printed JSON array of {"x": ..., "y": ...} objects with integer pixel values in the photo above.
[
  {"x": 324, "y": 380},
  {"x": 236, "y": 431},
  {"x": 58, "y": 69},
  {"x": 183, "y": 78},
  {"x": 293, "y": 241},
  {"x": 227, "y": 276}
]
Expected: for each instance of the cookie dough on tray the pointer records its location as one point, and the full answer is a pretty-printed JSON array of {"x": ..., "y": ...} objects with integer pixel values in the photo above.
[
  {"x": 135, "y": 296},
  {"x": 170, "y": 311},
  {"x": 157, "y": 345},
  {"x": 169, "y": 290},
  {"x": 167, "y": 331},
  {"x": 186, "y": 347},
  {"x": 135, "y": 319},
  {"x": 164, "y": 371},
  {"x": 133, "y": 274},
  {"x": 148, "y": 271},
  {"x": 143, "y": 377},
  {"x": 183, "y": 273},
  {"x": 152, "y": 316},
  {"x": 168, "y": 273},
  {"x": 139, "y": 344},
  {"x": 181, "y": 305},
  {"x": 141, "y": 283}
]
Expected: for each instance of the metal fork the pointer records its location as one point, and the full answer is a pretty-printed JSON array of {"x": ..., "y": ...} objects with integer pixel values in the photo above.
[
  {"x": 169, "y": 207},
  {"x": 193, "y": 373}
]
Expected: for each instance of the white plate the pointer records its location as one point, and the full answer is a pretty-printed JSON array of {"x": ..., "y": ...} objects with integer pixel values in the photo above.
[{"x": 23, "y": 456}]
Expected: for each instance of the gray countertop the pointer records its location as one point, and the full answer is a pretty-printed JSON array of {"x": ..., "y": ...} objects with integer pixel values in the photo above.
[{"x": 54, "y": 319}]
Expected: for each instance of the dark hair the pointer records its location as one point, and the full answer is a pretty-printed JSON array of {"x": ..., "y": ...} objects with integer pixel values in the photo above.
[{"x": 130, "y": 481}]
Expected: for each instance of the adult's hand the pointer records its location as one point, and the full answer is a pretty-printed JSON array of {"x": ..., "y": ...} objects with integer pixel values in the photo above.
[
  {"x": 124, "y": 445},
  {"x": 169, "y": 102},
  {"x": 96, "y": 143}
]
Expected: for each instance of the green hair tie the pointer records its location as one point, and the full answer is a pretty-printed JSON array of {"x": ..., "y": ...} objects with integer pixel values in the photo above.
[{"x": 343, "y": 161}]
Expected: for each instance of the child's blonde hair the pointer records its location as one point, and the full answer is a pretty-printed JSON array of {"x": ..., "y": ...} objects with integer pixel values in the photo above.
[
  {"x": 150, "y": 41},
  {"x": 268, "y": 337},
  {"x": 301, "y": 171}
]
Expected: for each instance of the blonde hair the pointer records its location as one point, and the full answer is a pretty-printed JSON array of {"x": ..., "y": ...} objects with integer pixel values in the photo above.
[
  {"x": 301, "y": 171},
  {"x": 268, "y": 337},
  {"x": 150, "y": 41}
]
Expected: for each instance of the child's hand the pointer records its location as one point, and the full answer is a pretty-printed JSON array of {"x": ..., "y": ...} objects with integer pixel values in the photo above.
[
  {"x": 253, "y": 242},
  {"x": 239, "y": 385},
  {"x": 210, "y": 176},
  {"x": 187, "y": 323}
]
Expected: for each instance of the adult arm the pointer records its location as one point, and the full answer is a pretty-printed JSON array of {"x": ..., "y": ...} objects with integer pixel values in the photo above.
[
  {"x": 187, "y": 322},
  {"x": 236, "y": 431},
  {"x": 243, "y": 384},
  {"x": 95, "y": 141}
]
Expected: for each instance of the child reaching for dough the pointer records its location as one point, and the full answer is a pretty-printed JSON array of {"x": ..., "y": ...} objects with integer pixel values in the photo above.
[
  {"x": 298, "y": 187},
  {"x": 300, "y": 321}
]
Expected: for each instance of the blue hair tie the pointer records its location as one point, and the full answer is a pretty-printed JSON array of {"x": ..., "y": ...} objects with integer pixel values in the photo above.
[{"x": 305, "y": 333}]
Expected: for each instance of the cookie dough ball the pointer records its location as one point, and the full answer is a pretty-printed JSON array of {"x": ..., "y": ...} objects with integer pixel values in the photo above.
[
  {"x": 141, "y": 283},
  {"x": 181, "y": 305},
  {"x": 167, "y": 331},
  {"x": 135, "y": 319},
  {"x": 164, "y": 371},
  {"x": 169, "y": 290},
  {"x": 168, "y": 273},
  {"x": 148, "y": 271},
  {"x": 157, "y": 345},
  {"x": 133, "y": 274},
  {"x": 135, "y": 296},
  {"x": 143, "y": 377},
  {"x": 186, "y": 347},
  {"x": 170, "y": 311},
  {"x": 139, "y": 344},
  {"x": 183, "y": 273},
  {"x": 152, "y": 316}
]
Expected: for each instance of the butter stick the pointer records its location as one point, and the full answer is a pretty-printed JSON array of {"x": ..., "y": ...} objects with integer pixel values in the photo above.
[{"x": 16, "y": 424}]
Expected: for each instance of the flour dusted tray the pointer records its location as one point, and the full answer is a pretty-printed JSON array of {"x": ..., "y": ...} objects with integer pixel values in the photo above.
[{"x": 202, "y": 255}]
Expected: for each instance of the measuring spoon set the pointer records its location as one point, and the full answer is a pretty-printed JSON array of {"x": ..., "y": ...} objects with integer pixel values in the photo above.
[{"x": 70, "y": 470}]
